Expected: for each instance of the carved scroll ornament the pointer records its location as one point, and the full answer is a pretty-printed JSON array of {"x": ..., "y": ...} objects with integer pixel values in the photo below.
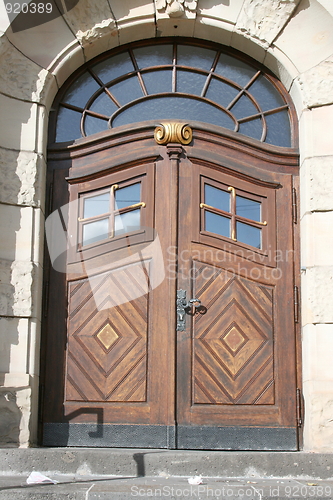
[{"x": 173, "y": 132}]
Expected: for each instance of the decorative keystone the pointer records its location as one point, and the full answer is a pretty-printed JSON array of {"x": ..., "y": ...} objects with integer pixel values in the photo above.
[
  {"x": 173, "y": 132},
  {"x": 176, "y": 8}
]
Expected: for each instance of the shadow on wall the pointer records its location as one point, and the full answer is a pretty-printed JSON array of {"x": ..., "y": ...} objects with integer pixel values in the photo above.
[
  {"x": 10, "y": 414},
  {"x": 10, "y": 418}
]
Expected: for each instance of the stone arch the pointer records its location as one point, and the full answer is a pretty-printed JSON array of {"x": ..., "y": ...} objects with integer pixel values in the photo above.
[{"x": 294, "y": 39}]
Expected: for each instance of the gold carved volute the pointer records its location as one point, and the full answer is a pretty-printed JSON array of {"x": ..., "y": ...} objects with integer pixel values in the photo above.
[{"x": 173, "y": 132}]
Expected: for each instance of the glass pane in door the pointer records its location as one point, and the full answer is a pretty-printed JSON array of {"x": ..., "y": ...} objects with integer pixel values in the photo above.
[
  {"x": 217, "y": 198},
  {"x": 95, "y": 231},
  {"x": 217, "y": 224},
  {"x": 96, "y": 205}
]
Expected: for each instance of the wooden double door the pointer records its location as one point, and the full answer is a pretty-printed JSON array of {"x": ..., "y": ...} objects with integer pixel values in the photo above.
[{"x": 172, "y": 321}]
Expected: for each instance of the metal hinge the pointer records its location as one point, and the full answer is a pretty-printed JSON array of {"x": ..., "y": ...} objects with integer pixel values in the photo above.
[
  {"x": 299, "y": 408},
  {"x": 294, "y": 206},
  {"x": 296, "y": 304}
]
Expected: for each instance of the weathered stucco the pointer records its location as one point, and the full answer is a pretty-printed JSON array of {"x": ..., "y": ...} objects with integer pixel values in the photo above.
[
  {"x": 16, "y": 288},
  {"x": 317, "y": 84},
  {"x": 264, "y": 19},
  {"x": 294, "y": 38},
  {"x": 89, "y": 21},
  {"x": 22, "y": 176},
  {"x": 20, "y": 77}
]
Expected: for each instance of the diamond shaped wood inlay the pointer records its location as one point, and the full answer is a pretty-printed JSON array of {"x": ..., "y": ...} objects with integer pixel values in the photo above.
[
  {"x": 234, "y": 339},
  {"x": 107, "y": 336},
  {"x": 233, "y": 342}
]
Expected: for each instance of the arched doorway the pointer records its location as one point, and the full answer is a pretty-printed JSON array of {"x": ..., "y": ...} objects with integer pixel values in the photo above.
[{"x": 155, "y": 218}]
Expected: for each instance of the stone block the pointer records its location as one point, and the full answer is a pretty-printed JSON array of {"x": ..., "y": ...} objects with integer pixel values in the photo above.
[
  {"x": 129, "y": 10},
  {"x": 41, "y": 131},
  {"x": 33, "y": 360},
  {"x": 94, "y": 27},
  {"x": 316, "y": 139},
  {"x": 14, "y": 339},
  {"x": 88, "y": 20},
  {"x": 317, "y": 295},
  {"x": 317, "y": 184},
  {"x": 317, "y": 348},
  {"x": 318, "y": 425},
  {"x": 222, "y": 11},
  {"x": 10, "y": 419},
  {"x": 22, "y": 175},
  {"x": 317, "y": 239},
  {"x": 33, "y": 423},
  {"x": 16, "y": 226},
  {"x": 296, "y": 93},
  {"x": 15, "y": 411},
  {"x": 16, "y": 288},
  {"x": 213, "y": 29},
  {"x": 264, "y": 19},
  {"x": 43, "y": 43},
  {"x": 37, "y": 291},
  {"x": 103, "y": 37},
  {"x": 18, "y": 121},
  {"x": 67, "y": 61},
  {"x": 22, "y": 78},
  {"x": 252, "y": 47},
  {"x": 136, "y": 30},
  {"x": 317, "y": 84},
  {"x": 38, "y": 237},
  {"x": 281, "y": 66},
  {"x": 309, "y": 27},
  {"x": 172, "y": 26}
]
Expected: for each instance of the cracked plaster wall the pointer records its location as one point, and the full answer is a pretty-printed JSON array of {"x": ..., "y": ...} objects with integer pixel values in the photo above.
[{"x": 294, "y": 38}]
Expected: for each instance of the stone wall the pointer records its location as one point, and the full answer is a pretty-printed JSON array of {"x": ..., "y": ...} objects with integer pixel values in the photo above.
[{"x": 294, "y": 38}]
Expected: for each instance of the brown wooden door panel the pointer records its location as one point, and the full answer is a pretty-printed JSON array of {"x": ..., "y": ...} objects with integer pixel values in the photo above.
[
  {"x": 119, "y": 373},
  {"x": 107, "y": 348},
  {"x": 232, "y": 357}
]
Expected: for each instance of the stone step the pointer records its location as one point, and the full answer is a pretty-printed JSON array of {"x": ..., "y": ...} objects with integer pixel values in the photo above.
[{"x": 110, "y": 462}]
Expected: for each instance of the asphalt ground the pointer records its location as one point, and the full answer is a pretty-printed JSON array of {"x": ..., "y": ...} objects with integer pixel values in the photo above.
[{"x": 164, "y": 486}]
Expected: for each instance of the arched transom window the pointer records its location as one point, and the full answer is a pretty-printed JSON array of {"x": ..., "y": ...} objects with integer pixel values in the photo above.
[{"x": 175, "y": 79}]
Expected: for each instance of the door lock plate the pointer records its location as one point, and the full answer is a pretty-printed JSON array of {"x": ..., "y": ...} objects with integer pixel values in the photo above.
[{"x": 183, "y": 307}]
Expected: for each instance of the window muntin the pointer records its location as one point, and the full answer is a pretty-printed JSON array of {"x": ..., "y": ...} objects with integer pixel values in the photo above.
[{"x": 223, "y": 89}]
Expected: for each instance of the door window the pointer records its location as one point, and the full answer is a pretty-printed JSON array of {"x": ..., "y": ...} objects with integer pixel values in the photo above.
[
  {"x": 235, "y": 214},
  {"x": 110, "y": 213}
]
